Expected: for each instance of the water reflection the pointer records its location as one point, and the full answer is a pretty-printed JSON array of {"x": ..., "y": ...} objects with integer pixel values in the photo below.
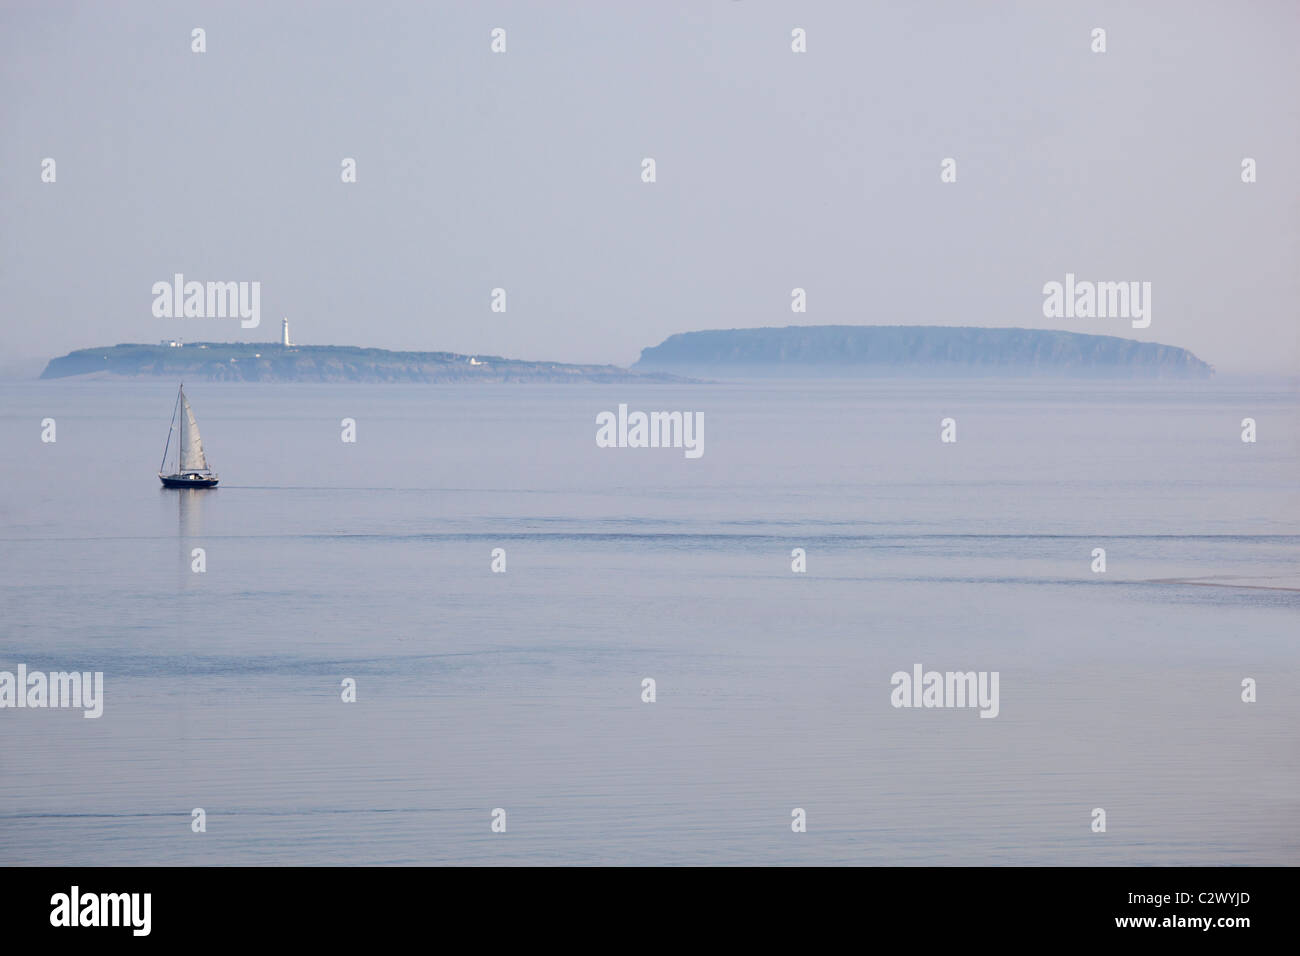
[
  {"x": 189, "y": 502},
  {"x": 189, "y": 531}
]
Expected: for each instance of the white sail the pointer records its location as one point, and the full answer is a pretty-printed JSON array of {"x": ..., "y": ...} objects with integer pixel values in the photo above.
[{"x": 192, "y": 457}]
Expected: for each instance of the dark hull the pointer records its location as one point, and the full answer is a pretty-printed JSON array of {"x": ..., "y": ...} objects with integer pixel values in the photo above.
[{"x": 177, "y": 481}]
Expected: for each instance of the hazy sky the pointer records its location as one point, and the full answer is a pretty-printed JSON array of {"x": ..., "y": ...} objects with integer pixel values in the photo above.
[{"x": 522, "y": 170}]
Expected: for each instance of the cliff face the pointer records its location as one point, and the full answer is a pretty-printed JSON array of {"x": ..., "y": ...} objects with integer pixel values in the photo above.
[
  {"x": 267, "y": 362},
  {"x": 850, "y": 350}
]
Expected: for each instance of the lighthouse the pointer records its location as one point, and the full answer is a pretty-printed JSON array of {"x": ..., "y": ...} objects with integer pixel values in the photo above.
[{"x": 284, "y": 333}]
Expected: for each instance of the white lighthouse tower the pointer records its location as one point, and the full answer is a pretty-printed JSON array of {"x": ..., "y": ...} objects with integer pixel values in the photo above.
[{"x": 284, "y": 333}]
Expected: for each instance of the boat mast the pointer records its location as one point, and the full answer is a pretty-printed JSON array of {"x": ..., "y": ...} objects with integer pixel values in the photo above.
[
  {"x": 171, "y": 428},
  {"x": 184, "y": 433}
]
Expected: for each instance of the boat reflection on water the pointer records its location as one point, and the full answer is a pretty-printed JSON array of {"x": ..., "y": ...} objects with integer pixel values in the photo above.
[{"x": 192, "y": 559}]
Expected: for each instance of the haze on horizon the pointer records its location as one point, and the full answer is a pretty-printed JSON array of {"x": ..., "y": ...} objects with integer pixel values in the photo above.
[{"x": 522, "y": 170}]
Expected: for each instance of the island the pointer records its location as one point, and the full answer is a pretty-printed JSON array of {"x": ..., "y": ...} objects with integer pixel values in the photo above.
[
  {"x": 837, "y": 351},
  {"x": 800, "y": 351},
  {"x": 273, "y": 362}
]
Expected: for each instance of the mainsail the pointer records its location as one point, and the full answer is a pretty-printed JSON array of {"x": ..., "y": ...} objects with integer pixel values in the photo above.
[{"x": 192, "y": 457}]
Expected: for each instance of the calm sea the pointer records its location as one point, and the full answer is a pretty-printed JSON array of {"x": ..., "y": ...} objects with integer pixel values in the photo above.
[{"x": 523, "y": 690}]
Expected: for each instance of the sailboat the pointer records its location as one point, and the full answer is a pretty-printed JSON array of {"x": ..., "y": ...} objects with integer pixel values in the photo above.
[{"x": 191, "y": 469}]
